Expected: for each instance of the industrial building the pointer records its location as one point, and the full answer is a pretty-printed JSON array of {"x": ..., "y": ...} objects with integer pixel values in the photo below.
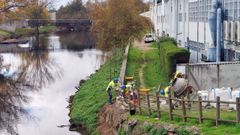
[{"x": 209, "y": 28}]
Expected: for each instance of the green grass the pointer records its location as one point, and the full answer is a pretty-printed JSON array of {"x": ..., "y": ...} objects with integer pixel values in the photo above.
[
  {"x": 153, "y": 73},
  {"x": 207, "y": 128},
  {"x": 4, "y": 33},
  {"x": 91, "y": 97},
  {"x": 29, "y": 31},
  {"x": 47, "y": 29},
  {"x": 134, "y": 64}
]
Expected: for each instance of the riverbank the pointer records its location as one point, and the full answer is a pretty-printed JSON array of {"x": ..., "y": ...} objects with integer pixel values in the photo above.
[
  {"x": 86, "y": 105},
  {"x": 91, "y": 95}
]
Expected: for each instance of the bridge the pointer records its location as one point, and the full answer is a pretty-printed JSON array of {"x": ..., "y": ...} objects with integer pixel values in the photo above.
[{"x": 75, "y": 24}]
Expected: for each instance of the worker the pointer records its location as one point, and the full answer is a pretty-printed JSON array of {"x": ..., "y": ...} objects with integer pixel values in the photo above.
[
  {"x": 176, "y": 75},
  {"x": 166, "y": 91},
  {"x": 123, "y": 90},
  {"x": 112, "y": 85}
]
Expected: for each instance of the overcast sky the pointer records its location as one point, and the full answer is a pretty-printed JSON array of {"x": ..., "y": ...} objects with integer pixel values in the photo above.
[{"x": 60, "y": 3}]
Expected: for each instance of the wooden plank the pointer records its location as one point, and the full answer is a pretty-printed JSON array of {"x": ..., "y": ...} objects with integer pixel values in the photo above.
[
  {"x": 217, "y": 111},
  {"x": 158, "y": 105},
  {"x": 200, "y": 110},
  {"x": 183, "y": 109},
  {"x": 124, "y": 65},
  {"x": 238, "y": 110},
  {"x": 128, "y": 78}
]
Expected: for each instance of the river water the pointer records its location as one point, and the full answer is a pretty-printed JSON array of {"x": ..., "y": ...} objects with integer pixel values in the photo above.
[{"x": 35, "y": 86}]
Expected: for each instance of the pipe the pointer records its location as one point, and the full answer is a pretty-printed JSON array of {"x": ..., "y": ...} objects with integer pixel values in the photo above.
[
  {"x": 219, "y": 35},
  {"x": 212, "y": 20}
]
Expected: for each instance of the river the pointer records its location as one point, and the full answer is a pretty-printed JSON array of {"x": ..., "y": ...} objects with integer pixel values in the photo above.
[{"x": 35, "y": 86}]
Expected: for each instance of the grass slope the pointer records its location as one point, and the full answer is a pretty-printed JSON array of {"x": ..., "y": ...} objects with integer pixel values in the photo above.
[
  {"x": 153, "y": 75},
  {"x": 91, "y": 97},
  {"x": 134, "y": 64},
  {"x": 4, "y": 33}
]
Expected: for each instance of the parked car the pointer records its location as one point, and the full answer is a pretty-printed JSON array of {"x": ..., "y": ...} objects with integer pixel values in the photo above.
[{"x": 148, "y": 38}]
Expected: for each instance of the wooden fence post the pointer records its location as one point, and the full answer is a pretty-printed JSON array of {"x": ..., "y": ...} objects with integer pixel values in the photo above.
[
  {"x": 148, "y": 103},
  {"x": 238, "y": 110},
  {"x": 183, "y": 109},
  {"x": 217, "y": 111},
  {"x": 170, "y": 105},
  {"x": 139, "y": 102},
  {"x": 158, "y": 105},
  {"x": 200, "y": 109}
]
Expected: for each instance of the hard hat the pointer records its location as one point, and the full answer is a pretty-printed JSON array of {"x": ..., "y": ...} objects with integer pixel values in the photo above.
[
  {"x": 115, "y": 80},
  {"x": 162, "y": 92},
  {"x": 123, "y": 87}
]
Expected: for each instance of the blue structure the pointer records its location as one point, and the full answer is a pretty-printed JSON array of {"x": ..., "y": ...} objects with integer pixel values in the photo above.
[{"x": 216, "y": 26}]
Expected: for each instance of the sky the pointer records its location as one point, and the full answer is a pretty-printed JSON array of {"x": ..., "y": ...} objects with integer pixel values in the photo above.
[{"x": 60, "y": 3}]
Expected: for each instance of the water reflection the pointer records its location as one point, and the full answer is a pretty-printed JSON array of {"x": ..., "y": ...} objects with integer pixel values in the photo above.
[
  {"x": 30, "y": 81},
  {"x": 38, "y": 69},
  {"x": 11, "y": 99}
]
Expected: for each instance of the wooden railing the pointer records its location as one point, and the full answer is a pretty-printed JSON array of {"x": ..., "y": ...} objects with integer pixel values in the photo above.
[{"x": 186, "y": 104}]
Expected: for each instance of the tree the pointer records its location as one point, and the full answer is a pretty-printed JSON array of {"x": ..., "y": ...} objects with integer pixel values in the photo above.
[
  {"x": 7, "y": 7},
  {"x": 73, "y": 10},
  {"x": 35, "y": 10},
  {"x": 23, "y": 9},
  {"x": 117, "y": 22}
]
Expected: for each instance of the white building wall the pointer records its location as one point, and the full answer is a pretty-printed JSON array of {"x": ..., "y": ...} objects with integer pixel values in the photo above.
[{"x": 165, "y": 17}]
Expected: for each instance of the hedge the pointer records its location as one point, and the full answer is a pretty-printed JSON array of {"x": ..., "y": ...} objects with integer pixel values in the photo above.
[{"x": 171, "y": 55}]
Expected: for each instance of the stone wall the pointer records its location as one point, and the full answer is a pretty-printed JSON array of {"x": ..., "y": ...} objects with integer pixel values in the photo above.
[{"x": 213, "y": 75}]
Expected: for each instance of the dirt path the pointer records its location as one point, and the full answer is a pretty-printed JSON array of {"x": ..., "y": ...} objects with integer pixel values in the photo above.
[{"x": 143, "y": 47}]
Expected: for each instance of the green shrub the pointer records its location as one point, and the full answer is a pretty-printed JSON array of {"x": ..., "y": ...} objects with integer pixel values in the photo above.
[
  {"x": 183, "y": 131},
  {"x": 154, "y": 131},
  {"x": 147, "y": 128},
  {"x": 162, "y": 131},
  {"x": 168, "y": 39},
  {"x": 121, "y": 131},
  {"x": 170, "y": 55}
]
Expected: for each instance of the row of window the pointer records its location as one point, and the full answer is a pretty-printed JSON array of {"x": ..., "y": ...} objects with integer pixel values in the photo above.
[{"x": 198, "y": 10}]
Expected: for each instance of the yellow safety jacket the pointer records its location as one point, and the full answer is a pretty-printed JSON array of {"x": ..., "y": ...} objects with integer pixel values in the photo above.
[
  {"x": 111, "y": 85},
  {"x": 166, "y": 91}
]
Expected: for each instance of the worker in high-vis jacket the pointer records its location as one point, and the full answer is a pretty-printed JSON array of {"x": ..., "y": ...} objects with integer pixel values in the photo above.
[
  {"x": 112, "y": 85},
  {"x": 166, "y": 91}
]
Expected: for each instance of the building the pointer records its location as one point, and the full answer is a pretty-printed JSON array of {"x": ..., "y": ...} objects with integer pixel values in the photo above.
[
  {"x": 13, "y": 25},
  {"x": 188, "y": 22},
  {"x": 53, "y": 14}
]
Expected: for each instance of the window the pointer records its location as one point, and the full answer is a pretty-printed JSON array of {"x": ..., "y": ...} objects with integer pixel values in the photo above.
[
  {"x": 180, "y": 17},
  {"x": 198, "y": 10}
]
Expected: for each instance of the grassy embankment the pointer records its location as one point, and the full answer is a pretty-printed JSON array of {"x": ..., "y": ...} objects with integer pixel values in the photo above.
[
  {"x": 92, "y": 95},
  {"x": 157, "y": 71},
  {"x": 4, "y": 33},
  {"x": 25, "y": 32},
  {"x": 30, "y": 31},
  {"x": 160, "y": 62},
  {"x": 134, "y": 63}
]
